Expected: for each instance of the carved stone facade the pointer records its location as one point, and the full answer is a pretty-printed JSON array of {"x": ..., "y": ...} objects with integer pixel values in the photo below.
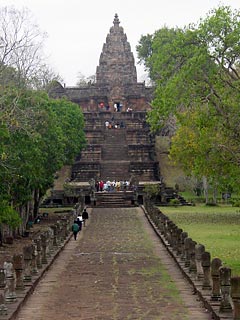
[
  {"x": 116, "y": 64},
  {"x": 116, "y": 79},
  {"x": 123, "y": 149}
]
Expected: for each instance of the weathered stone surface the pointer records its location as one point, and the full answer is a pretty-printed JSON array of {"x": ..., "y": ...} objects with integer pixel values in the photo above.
[{"x": 116, "y": 79}]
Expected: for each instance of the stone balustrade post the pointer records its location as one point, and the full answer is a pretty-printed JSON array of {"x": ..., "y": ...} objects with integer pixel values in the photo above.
[
  {"x": 165, "y": 227},
  {"x": 168, "y": 232},
  {"x": 2, "y": 278},
  {"x": 225, "y": 284},
  {"x": 206, "y": 263},
  {"x": 60, "y": 233},
  {"x": 184, "y": 235},
  {"x": 44, "y": 248},
  {"x": 192, "y": 262},
  {"x": 34, "y": 269},
  {"x": 27, "y": 256},
  {"x": 66, "y": 228},
  {"x": 39, "y": 252},
  {"x": 161, "y": 223},
  {"x": 187, "y": 242},
  {"x": 199, "y": 250},
  {"x": 178, "y": 241},
  {"x": 54, "y": 228},
  {"x": 18, "y": 265},
  {"x": 69, "y": 225},
  {"x": 215, "y": 273},
  {"x": 62, "y": 236},
  {"x": 51, "y": 238},
  {"x": 48, "y": 249},
  {"x": 10, "y": 294},
  {"x": 3, "y": 307},
  {"x": 235, "y": 293},
  {"x": 174, "y": 237}
]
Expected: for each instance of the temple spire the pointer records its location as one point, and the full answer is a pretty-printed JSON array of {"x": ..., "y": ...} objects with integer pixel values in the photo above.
[
  {"x": 116, "y": 21},
  {"x": 116, "y": 63}
]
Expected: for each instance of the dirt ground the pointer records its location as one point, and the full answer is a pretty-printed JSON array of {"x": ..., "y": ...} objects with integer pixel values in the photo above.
[{"x": 117, "y": 269}]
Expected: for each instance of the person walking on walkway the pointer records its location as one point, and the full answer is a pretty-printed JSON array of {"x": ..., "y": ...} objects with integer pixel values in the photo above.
[
  {"x": 75, "y": 229},
  {"x": 84, "y": 216},
  {"x": 79, "y": 221}
]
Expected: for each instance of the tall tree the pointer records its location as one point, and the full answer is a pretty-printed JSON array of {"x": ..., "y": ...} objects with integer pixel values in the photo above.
[
  {"x": 196, "y": 70},
  {"x": 21, "y": 48},
  {"x": 36, "y": 142}
]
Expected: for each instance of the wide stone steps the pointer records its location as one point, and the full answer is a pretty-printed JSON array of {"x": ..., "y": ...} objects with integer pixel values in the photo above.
[
  {"x": 114, "y": 152},
  {"x": 115, "y": 199},
  {"x": 115, "y": 170}
]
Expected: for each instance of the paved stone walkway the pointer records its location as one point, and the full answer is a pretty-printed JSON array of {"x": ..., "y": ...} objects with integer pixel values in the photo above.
[{"x": 117, "y": 269}]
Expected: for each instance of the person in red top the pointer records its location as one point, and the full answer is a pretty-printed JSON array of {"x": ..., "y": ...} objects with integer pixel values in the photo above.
[{"x": 101, "y": 184}]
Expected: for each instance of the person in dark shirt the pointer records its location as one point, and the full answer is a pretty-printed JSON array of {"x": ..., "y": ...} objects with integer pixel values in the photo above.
[{"x": 84, "y": 216}]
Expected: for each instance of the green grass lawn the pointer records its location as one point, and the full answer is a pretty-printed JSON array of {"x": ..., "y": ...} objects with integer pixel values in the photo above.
[{"x": 217, "y": 228}]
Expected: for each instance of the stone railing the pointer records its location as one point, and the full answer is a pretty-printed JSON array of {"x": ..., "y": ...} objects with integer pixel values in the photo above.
[
  {"x": 21, "y": 272},
  {"x": 211, "y": 281}
]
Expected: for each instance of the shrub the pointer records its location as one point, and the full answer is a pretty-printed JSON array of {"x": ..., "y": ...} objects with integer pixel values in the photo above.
[{"x": 174, "y": 202}]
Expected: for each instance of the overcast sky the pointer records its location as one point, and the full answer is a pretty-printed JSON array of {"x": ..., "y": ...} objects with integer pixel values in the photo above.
[{"x": 77, "y": 29}]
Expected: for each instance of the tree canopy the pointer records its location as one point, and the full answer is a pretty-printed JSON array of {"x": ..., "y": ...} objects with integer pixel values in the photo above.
[
  {"x": 39, "y": 135},
  {"x": 22, "y": 61},
  {"x": 197, "y": 75}
]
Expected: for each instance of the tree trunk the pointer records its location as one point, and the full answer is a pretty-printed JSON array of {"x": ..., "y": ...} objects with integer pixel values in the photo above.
[
  {"x": 205, "y": 189},
  {"x": 36, "y": 202},
  {"x": 215, "y": 195}
]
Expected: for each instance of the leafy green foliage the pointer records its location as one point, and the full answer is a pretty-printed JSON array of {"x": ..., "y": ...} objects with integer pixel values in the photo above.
[
  {"x": 72, "y": 124},
  {"x": 8, "y": 215},
  {"x": 38, "y": 136},
  {"x": 151, "y": 190},
  {"x": 196, "y": 70}
]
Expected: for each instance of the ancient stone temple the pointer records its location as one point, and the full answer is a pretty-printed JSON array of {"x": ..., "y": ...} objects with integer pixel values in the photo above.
[
  {"x": 120, "y": 145},
  {"x": 116, "y": 79}
]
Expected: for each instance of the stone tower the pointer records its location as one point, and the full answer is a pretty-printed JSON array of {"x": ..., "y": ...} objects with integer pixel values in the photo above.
[
  {"x": 116, "y": 63},
  {"x": 116, "y": 78}
]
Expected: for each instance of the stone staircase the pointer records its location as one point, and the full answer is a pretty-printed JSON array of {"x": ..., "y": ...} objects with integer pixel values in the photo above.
[
  {"x": 115, "y": 161},
  {"x": 116, "y": 153},
  {"x": 115, "y": 170},
  {"x": 114, "y": 146},
  {"x": 114, "y": 199}
]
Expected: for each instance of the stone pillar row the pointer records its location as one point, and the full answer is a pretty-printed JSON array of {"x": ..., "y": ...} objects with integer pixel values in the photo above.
[
  {"x": 209, "y": 275},
  {"x": 18, "y": 271}
]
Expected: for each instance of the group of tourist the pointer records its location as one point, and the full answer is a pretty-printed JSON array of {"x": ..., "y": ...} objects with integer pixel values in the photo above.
[
  {"x": 79, "y": 222},
  {"x": 111, "y": 186},
  {"x": 117, "y": 107},
  {"x": 111, "y": 124}
]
